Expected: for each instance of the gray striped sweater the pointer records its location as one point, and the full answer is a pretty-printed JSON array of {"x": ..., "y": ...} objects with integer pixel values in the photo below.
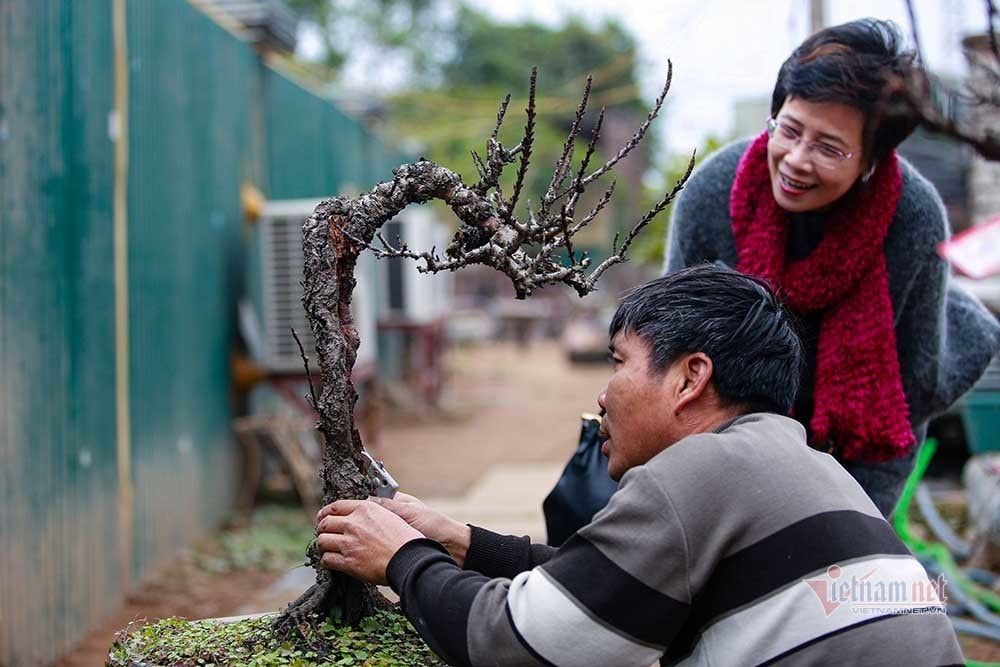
[{"x": 737, "y": 547}]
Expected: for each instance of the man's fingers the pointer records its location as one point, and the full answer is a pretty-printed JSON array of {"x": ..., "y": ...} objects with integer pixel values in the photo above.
[
  {"x": 396, "y": 500},
  {"x": 338, "y": 508},
  {"x": 326, "y": 510},
  {"x": 390, "y": 504},
  {"x": 332, "y": 524},
  {"x": 345, "y": 507},
  {"x": 332, "y": 560},
  {"x": 330, "y": 542}
]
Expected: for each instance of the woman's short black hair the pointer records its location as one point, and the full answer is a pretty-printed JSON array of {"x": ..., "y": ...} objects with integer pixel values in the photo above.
[
  {"x": 861, "y": 64},
  {"x": 733, "y": 318}
]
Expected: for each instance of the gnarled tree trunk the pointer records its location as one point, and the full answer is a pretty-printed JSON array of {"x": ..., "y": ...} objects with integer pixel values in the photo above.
[{"x": 341, "y": 228}]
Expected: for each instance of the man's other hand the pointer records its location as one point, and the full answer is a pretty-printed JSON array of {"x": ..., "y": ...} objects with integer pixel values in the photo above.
[
  {"x": 452, "y": 535},
  {"x": 359, "y": 538}
]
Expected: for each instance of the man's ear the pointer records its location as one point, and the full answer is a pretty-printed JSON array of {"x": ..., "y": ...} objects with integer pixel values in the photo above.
[{"x": 695, "y": 375}]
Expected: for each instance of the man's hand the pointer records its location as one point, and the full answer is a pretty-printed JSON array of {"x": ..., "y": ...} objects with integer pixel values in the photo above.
[
  {"x": 359, "y": 538},
  {"x": 452, "y": 535}
]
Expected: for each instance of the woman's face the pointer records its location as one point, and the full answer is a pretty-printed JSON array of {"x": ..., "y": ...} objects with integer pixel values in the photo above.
[{"x": 798, "y": 184}]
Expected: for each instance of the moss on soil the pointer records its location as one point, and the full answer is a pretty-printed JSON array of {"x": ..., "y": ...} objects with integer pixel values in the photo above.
[
  {"x": 385, "y": 639},
  {"x": 274, "y": 539}
]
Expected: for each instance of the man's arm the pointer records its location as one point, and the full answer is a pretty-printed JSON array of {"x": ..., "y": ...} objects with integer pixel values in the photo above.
[
  {"x": 497, "y": 555},
  {"x": 472, "y": 547},
  {"x": 601, "y": 599}
]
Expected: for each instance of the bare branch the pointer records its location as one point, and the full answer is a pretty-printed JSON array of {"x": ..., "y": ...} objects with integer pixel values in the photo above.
[
  {"x": 591, "y": 148},
  {"x": 937, "y": 106},
  {"x": 500, "y": 115},
  {"x": 565, "y": 161},
  {"x": 564, "y": 219},
  {"x": 481, "y": 169},
  {"x": 525, "y": 146},
  {"x": 992, "y": 17},
  {"x": 305, "y": 364},
  {"x": 639, "y": 134},
  {"x": 577, "y": 187},
  {"x": 602, "y": 202},
  {"x": 619, "y": 256},
  {"x": 914, "y": 34}
]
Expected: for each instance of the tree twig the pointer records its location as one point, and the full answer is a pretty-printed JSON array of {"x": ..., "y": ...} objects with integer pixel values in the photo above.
[{"x": 305, "y": 364}]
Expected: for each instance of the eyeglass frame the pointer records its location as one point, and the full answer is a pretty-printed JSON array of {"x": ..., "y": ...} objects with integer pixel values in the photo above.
[{"x": 772, "y": 126}]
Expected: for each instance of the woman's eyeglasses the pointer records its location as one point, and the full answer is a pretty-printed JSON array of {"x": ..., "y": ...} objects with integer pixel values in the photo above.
[{"x": 822, "y": 155}]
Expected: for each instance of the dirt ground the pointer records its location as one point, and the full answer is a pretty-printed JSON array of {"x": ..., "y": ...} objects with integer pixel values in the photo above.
[{"x": 503, "y": 404}]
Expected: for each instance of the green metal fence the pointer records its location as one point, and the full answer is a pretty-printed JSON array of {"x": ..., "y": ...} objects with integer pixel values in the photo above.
[
  {"x": 190, "y": 148},
  {"x": 58, "y": 513},
  {"x": 203, "y": 115}
]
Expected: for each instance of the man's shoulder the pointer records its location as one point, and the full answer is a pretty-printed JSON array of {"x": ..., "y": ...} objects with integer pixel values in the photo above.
[
  {"x": 760, "y": 472},
  {"x": 756, "y": 440}
]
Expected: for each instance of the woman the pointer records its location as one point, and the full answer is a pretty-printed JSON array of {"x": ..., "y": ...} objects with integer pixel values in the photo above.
[{"x": 821, "y": 206}]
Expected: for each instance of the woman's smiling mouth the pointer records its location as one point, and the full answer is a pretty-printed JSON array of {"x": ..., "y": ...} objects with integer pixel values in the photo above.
[{"x": 792, "y": 186}]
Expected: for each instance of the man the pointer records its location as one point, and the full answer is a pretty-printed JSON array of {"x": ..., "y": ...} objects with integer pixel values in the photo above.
[{"x": 729, "y": 541}]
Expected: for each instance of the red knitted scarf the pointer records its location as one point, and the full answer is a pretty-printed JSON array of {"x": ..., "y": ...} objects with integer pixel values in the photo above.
[{"x": 859, "y": 405}]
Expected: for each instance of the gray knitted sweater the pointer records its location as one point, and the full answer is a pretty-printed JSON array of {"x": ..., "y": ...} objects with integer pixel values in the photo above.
[{"x": 945, "y": 337}]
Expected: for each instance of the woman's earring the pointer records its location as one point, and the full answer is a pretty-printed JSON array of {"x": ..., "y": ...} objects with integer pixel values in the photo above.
[{"x": 867, "y": 176}]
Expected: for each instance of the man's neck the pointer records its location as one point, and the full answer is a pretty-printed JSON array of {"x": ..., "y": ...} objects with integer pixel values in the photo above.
[{"x": 712, "y": 421}]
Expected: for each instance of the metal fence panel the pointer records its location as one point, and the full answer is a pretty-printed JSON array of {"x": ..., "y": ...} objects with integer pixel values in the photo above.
[
  {"x": 57, "y": 482},
  {"x": 204, "y": 115},
  {"x": 189, "y": 150}
]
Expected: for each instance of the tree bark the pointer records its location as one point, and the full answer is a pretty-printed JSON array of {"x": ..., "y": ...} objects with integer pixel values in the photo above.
[
  {"x": 341, "y": 228},
  {"x": 332, "y": 239}
]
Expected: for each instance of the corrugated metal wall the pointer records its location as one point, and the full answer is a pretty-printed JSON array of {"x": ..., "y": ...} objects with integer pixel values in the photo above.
[
  {"x": 204, "y": 115},
  {"x": 190, "y": 148},
  {"x": 314, "y": 150},
  {"x": 58, "y": 518}
]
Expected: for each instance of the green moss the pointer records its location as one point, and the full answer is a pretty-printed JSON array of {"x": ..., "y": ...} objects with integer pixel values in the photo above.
[
  {"x": 385, "y": 639},
  {"x": 275, "y": 539}
]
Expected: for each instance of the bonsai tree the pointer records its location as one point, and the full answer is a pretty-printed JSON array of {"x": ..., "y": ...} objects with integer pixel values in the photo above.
[{"x": 533, "y": 248}]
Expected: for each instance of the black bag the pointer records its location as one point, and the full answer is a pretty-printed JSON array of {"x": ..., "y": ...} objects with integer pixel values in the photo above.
[{"x": 584, "y": 488}]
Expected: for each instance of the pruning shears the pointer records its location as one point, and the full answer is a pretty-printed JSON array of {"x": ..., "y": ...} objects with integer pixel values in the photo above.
[{"x": 384, "y": 483}]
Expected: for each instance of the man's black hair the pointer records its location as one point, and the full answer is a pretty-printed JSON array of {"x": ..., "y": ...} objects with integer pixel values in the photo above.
[
  {"x": 733, "y": 318},
  {"x": 861, "y": 64}
]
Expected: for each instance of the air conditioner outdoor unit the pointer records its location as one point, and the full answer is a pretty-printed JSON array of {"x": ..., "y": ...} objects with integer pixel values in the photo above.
[
  {"x": 408, "y": 295},
  {"x": 280, "y": 261}
]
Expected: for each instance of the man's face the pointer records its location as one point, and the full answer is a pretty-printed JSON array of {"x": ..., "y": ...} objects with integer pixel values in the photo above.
[{"x": 638, "y": 404}]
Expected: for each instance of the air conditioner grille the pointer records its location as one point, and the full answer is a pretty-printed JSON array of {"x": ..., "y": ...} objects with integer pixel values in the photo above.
[{"x": 282, "y": 291}]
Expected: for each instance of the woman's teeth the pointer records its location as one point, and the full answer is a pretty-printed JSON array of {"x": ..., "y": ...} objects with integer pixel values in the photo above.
[{"x": 798, "y": 185}]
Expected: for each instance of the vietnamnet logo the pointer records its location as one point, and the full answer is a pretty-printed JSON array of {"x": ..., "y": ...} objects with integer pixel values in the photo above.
[{"x": 865, "y": 592}]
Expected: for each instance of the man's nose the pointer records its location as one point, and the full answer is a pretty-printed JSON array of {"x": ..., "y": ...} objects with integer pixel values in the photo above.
[{"x": 600, "y": 399}]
